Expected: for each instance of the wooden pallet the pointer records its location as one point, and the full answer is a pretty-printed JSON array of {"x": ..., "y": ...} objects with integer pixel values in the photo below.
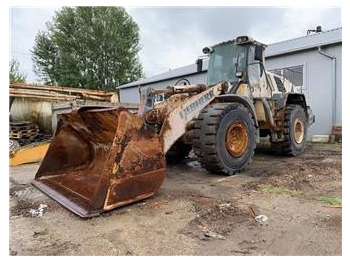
[{"x": 23, "y": 130}]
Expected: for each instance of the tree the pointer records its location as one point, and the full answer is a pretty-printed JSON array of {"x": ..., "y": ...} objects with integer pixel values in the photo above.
[
  {"x": 94, "y": 47},
  {"x": 15, "y": 75}
]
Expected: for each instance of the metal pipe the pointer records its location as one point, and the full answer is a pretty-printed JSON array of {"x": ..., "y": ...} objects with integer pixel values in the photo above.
[{"x": 334, "y": 87}]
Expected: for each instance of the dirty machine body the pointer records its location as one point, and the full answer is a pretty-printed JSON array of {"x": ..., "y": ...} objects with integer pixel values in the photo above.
[{"x": 104, "y": 158}]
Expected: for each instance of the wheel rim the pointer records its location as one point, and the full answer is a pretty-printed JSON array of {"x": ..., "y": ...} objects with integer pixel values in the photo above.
[
  {"x": 237, "y": 139},
  {"x": 298, "y": 131}
]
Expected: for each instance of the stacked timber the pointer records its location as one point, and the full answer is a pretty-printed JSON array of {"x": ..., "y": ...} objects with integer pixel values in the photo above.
[
  {"x": 42, "y": 104},
  {"x": 58, "y": 93}
]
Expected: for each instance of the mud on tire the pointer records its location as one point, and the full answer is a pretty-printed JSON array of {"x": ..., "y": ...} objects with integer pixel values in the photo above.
[{"x": 212, "y": 129}]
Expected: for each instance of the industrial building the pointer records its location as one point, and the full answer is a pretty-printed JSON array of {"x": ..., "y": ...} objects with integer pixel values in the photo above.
[{"x": 313, "y": 63}]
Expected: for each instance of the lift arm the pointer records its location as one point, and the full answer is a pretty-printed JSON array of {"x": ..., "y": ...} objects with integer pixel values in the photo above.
[{"x": 174, "y": 125}]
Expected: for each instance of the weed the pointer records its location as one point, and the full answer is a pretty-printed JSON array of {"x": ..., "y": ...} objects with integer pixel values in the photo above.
[
  {"x": 41, "y": 233},
  {"x": 260, "y": 158},
  {"x": 278, "y": 190},
  {"x": 333, "y": 201}
]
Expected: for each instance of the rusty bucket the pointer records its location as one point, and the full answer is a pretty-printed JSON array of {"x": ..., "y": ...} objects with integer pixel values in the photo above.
[{"x": 100, "y": 159}]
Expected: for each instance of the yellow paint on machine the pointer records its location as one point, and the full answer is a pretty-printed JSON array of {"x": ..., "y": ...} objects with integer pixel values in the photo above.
[{"x": 29, "y": 154}]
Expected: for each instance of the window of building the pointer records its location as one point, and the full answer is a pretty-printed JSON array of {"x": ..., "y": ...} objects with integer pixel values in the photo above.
[{"x": 294, "y": 74}]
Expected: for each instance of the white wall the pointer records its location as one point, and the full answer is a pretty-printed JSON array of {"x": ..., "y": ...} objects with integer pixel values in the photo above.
[
  {"x": 318, "y": 84},
  {"x": 129, "y": 95}
]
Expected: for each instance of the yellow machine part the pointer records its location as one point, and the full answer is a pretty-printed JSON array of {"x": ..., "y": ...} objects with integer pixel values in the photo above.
[{"x": 29, "y": 154}]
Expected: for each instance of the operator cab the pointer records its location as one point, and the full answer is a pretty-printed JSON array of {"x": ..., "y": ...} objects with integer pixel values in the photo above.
[{"x": 239, "y": 61}]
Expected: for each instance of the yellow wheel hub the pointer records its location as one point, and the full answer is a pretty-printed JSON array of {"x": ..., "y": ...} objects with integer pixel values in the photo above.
[
  {"x": 298, "y": 131},
  {"x": 237, "y": 139}
]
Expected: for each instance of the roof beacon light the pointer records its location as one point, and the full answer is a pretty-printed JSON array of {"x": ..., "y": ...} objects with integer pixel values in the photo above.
[
  {"x": 207, "y": 50},
  {"x": 244, "y": 40}
]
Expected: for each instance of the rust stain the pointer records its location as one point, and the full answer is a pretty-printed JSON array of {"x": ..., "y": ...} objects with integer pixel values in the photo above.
[
  {"x": 103, "y": 158},
  {"x": 100, "y": 159}
]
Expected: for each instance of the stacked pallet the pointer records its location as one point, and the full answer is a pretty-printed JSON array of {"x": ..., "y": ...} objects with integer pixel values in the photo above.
[
  {"x": 26, "y": 143},
  {"x": 58, "y": 93},
  {"x": 23, "y": 130}
]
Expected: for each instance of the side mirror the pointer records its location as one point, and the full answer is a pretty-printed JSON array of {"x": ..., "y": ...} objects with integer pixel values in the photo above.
[
  {"x": 199, "y": 63},
  {"x": 258, "y": 54}
]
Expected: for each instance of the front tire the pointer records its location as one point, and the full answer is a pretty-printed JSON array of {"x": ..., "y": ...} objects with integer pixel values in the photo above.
[{"x": 224, "y": 138}]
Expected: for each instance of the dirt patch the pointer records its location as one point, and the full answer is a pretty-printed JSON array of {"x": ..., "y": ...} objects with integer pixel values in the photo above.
[
  {"x": 21, "y": 208},
  {"x": 54, "y": 249},
  {"x": 309, "y": 173},
  {"x": 334, "y": 222},
  {"x": 215, "y": 218},
  {"x": 24, "y": 203}
]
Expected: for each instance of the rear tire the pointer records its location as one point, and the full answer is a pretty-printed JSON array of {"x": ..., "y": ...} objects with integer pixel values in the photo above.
[
  {"x": 224, "y": 138},
  {"x": 294, "y": 132}
]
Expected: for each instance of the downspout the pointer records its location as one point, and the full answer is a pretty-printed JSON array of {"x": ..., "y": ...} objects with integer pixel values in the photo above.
[{"x": 334, "y": 87}]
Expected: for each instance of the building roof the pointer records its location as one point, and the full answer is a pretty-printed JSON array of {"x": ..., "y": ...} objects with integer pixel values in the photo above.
[
  {"x": 284, "y": 47},
  {"x": 175, "y": 73},
  {"x": 305, "y": 42}
]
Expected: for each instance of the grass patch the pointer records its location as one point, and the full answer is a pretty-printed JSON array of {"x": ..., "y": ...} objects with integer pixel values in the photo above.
[
  {"x": 259, "y": 158},
  {"x": 41, "y": 233},
  {"x": 278, "y": 190},
  {"x": 333, "y": 201}
]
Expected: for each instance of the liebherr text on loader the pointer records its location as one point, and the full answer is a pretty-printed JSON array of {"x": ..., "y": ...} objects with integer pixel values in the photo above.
[{"x": 103, "y": 158}]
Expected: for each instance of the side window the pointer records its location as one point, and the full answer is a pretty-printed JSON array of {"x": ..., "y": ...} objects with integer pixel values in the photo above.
[
  {"x": 254, "y": 74},
  {"x": 258, "y": 81},
  {"x": 239, "y": 61}
]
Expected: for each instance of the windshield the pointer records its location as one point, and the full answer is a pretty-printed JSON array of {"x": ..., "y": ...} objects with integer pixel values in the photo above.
[{"x": 225, "y": 61}]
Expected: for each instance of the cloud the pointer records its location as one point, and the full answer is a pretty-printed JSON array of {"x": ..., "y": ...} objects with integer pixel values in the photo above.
[
  {"x": 24, "y": 25},
  {"x": 174, "y": 36},
  {"x": 294, "y": 22}
]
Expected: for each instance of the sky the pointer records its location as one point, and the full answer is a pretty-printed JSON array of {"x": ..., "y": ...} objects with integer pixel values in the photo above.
[{"x": 172, "y": 37}]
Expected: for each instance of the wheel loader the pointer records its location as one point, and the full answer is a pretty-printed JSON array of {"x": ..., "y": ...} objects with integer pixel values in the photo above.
[{"x": 104, "y": 158}]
